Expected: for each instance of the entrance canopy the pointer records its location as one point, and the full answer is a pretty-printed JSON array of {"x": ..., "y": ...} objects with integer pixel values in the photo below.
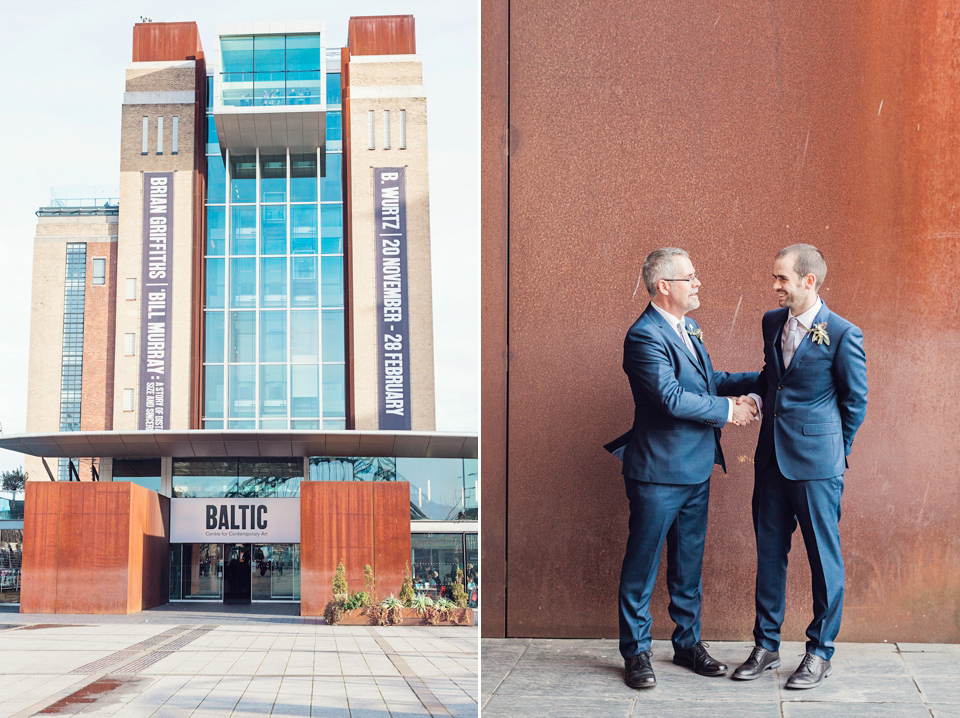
[{"x": 237, "y": 443}]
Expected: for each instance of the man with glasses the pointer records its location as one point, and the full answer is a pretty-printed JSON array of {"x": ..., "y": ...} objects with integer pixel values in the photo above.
[
  {"x": 669, "y": 454},
  {"x": 813, "y": 393}
]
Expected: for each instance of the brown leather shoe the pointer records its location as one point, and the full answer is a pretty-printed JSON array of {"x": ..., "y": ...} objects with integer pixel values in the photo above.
[
  {"x": 759, "y": 661},
  {"x": 637, "y": 672},
  {"x": 810, "y": 673},
  {"x": 699, "y": 660}
]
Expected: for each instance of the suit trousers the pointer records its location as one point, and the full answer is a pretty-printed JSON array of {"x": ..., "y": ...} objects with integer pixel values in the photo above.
[
  {"x": 779, "y": 505},
  {"x": 676, "y": 513}
]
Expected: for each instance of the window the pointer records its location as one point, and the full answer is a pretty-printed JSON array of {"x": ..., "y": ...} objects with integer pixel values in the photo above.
[
  {"x": 403, "y": 129},
  {"x": 371, "y": 122},
  {"x": 131, "y": 288},
  {"x": 99, "y": 271},
  {"x": 129, "y": 345},
  {"x": 160, "y": 135},
  {"x": 386, "y": 129},
  {"x": 176, "y": 135},
  {"x": 128, "y": 399},
  {"x": 144, "y": 146}
]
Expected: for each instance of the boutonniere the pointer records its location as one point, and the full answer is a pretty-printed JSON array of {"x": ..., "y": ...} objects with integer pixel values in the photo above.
[
  {"x": 818, "y": 333},
  {"x": 698, "y": 333}
]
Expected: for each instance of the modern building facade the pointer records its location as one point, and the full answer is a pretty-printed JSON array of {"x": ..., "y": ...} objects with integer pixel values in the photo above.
[{"x": 260, "y": 290}]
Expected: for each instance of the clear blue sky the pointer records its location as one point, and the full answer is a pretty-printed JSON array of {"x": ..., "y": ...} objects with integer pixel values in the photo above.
[{"x": 63, "y": 69}]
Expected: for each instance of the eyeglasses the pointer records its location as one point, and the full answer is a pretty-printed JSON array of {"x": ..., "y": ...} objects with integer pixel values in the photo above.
[{"x": 694, "y": 278}]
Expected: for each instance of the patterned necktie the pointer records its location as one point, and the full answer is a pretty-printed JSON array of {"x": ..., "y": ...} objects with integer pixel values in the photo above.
[
  {"x": 790, "y": 343},
  {"x": 686, "y": 340}
]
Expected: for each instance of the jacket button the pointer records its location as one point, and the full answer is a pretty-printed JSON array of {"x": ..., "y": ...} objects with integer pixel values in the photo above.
[
  {"x": 776, "y": 415},
  {"x": 780, "y": 388}
]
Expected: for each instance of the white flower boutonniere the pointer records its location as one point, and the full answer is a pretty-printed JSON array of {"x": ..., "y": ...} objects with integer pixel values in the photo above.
[
  {"x": 818, "y": 333},
  {"x": 698, "y": 332}
]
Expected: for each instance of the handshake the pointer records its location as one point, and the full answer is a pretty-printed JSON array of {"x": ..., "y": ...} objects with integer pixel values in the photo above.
[{"x": 744, "y": 410}]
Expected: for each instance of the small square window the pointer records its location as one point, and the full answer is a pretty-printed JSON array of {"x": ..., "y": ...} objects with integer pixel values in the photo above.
[
  {"x": 131, "y": 288},
  {"x": 128, "y": 399},
  {"x": 130, "y": 345}
]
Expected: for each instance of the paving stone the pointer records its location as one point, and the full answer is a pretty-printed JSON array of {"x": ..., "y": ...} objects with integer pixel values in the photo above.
[{"x": 829, "y": 709}]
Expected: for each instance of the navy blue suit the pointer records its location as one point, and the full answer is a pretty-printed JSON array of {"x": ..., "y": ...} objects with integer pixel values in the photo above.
[
  {"x": 811, "y": 412},
  {"x": 667, "y": 462}
]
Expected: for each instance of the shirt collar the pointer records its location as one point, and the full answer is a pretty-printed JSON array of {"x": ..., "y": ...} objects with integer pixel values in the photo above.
[
  {"x": 806, "y": 319},
  {"x": 674, "y": 322}
]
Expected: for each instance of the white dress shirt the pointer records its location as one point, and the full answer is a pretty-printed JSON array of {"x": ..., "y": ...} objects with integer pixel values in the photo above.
[{"x": 680, "y": 328}]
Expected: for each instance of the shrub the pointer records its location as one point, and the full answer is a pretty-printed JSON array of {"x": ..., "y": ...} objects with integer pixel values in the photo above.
[
  {"x": 391, "y": 612},
  {"x": 340, "y": 580},
  {"x": 333, "y": 613},
  {"x": 406, "y": 588},
  {"x": 369, "y": 583},
  {"x": 459, "y": 595},
  {"x": 420, "y": 603}
]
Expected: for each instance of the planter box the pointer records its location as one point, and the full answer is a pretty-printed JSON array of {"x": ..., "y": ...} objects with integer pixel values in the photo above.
[{"x": 356, "y": 617}]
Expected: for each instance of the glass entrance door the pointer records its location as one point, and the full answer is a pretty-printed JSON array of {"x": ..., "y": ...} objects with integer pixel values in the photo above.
[
  {"x": 236, "y": 573},
  {"x": 276, "y": 572},
  {"x": 200, "y": 568}
]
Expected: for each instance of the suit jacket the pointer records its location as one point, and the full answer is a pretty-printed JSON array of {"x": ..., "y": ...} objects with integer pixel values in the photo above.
[
  {"x": 678, "y": 414},
  {"x": 813, "y": 408}
]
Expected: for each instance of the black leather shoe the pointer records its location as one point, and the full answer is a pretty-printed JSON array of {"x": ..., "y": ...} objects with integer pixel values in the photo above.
[
  {"x": 810, "y": 673},
  {"x": 759, "y": 661},
  {"x": 638, "y": 673},
  {"x": 699, "y": 660}
]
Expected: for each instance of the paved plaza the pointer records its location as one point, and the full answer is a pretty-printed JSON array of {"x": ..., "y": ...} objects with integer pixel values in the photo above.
[
  {"x": 573, "y": 678},
  {"x": 215, "y": 661}
]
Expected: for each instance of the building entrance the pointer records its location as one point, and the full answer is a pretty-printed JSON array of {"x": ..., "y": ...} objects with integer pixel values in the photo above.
[{"x": 236, "y": 573}]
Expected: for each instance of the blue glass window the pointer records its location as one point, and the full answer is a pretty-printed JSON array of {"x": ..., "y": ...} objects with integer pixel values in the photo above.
[
  {"x": 242, "y": 391},
  {"x": 331, "y": 282},
  {"x": 209, "y": 91},
  {"x": 304, "y": 283},
  {"x": 331, "y": 218},
  {"x": 237, "y": 55},
  {"x": 332, "y": 185},
  {"x": 216, "y": 231},
  {"x": 333, "y": 336},
  {"x": 212, "y": 134},
  {"x": 303, "y": 229},
  {"x": 243, "y": 178},
  {"x": 243, "y": 230},
  {"x": 273, "y": 229},
  {"x": 304, "y": 339},
  {"x": 304, "y": 62},
  {"x": 213, "y": 339},
  {"x": 304, "y": 390},
  {"x": 213, "y": 391},
  {"x": 303, "y": 178},
  {"x": 243, "y": 347},
  {"x": 273, "y": 336},
  {"x": 243, "y": 282},
  {"x": 273, "y": 390},
  {"x": 273, "y": 282},
  {"x": 333, "y": 88},
  {"x": 334, "y": 390},
  {"x": 334, "y": 130},
  {"x": 273, "y": 178},
  {"x": 216, "y": 180},
  {"x": 216, "y": 283}
]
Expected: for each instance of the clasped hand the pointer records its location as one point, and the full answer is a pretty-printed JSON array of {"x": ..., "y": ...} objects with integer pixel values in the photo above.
[{"x": 744, "y": 411}]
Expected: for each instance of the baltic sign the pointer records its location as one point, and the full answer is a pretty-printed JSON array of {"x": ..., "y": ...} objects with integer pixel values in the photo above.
[
  {"x": 393, "y": 342},
  {"x": 218, "y": 520},
  {"x": 156, "y": 301}
]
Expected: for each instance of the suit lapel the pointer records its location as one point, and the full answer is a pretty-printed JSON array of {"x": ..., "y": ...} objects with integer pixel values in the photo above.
[
  {"x": 674, "y": 337},
  {"x": 775, "y": 343},
  {"x": 804, "y": 346}
]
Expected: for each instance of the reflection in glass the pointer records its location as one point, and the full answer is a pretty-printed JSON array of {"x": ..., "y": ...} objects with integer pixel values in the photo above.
[
  {"x": 143, "y": 472},
  {"x": 303, "y": 178},
  {"x": 237, "y": 478},
  {"x": 273, "y": 178},
  {"x": 434, "y": 563},
  {"x": 353, "y": 468},
  {"x": 331, "y": 216},
  {"x": 304, "y": 282},
  {"x": 201, "y": 571},
  {"x": 303, "y": 229},
  {"x": 11, "y": 560},
  {"x": 243, "y": 230},
  {"x": 216, "y": 231},
  {"x": 273, "y": 229},
  {"x": 216, "y": 180},
  {"x": 276, "y": 572},
  {"x": 243, "y": 282},
  {"x": 471, "y": 572},
  {"x": 243, "y": 178},
  {"x": 438, "y": 488}
]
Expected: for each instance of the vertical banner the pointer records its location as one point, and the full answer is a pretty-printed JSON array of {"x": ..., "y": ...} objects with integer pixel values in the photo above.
[
  {"x": 156, "y": 280},
  {"x": 393, "y": 342}
]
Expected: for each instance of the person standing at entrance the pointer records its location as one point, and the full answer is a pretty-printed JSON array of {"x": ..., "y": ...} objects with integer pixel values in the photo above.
[
  {"x": 813, "y": 396},
  {"x": 667, "y": 461}
]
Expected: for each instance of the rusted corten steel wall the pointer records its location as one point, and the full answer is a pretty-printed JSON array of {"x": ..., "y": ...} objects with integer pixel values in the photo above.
[{"x": 731, "y": 130}]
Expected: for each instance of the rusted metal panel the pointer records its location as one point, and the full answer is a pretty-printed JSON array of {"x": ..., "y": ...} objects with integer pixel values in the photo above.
[
  {"x": 166, "y": 41},
  {"x": 493, "y": 288},
  {"x": 732, "y": 131},
  {"x": 382, "y": 35}
]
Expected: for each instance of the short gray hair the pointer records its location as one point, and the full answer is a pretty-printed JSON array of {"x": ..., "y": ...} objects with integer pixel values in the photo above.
[
  {"x": 807, "y": 260},
  {"x": 659, "y": 265}
]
